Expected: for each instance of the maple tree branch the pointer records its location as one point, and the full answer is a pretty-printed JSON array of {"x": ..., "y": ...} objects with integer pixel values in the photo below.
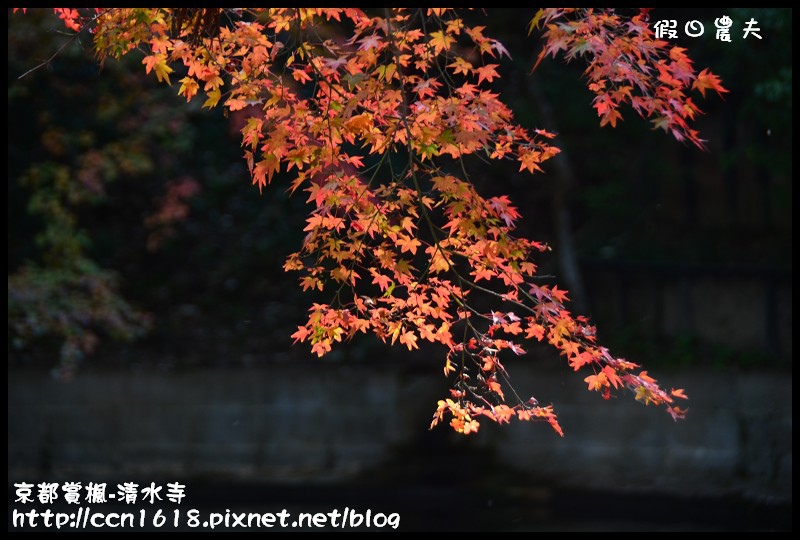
[
  {"x": 73, "y": 38},
  {"x": 387, "y": 85}
]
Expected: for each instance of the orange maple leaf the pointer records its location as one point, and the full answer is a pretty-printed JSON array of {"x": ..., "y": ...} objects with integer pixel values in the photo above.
[
  {"x": 487, "y": 72},
  {"x": 409, "y": 340},
  {"x": 494, "y": 386},
  {"x": 678, "y": 393},
  {"x": 706, "y": 80}
]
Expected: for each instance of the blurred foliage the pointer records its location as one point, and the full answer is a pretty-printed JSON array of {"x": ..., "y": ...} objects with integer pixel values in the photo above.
[
  {"x": 63, "y": 163},
  {"x": 70, "y": 305},
  {"x": 110, "y": 170}
]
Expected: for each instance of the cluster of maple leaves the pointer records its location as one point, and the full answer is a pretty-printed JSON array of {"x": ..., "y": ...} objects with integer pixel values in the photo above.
[{"x": 370, "y": 112}]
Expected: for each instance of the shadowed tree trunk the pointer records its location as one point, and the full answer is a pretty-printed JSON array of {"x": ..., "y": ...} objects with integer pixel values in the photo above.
[{"x": 564, "y": 182}]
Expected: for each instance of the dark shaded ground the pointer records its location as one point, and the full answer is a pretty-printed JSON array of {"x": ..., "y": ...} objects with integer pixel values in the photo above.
[{"x": 445, "y": 508}]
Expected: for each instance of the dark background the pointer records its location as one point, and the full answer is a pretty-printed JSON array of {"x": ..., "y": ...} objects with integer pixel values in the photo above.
[{"x": 682, "y": 258}]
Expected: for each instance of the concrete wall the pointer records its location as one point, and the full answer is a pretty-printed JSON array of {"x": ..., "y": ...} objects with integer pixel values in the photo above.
[
  {"x": 333, "y": 422},
  {"x": 736, "y": 438},
  {"x": 735, "y": 309}
]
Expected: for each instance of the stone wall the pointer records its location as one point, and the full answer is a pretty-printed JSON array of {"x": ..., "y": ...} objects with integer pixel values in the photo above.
[{"x": 333, "y": 422}]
